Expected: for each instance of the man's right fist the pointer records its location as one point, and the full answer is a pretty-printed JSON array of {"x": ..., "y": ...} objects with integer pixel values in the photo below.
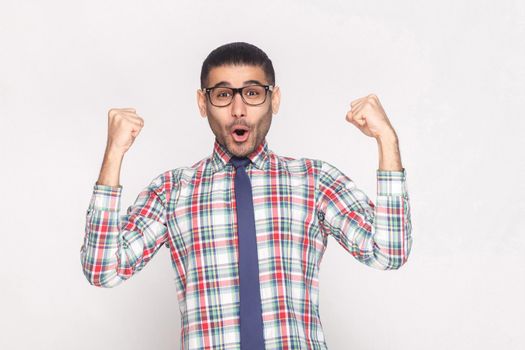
[{"x": 124, "y": 126}]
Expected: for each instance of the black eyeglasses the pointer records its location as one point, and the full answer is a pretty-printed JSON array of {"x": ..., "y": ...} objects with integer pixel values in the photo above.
[{"x": 252, "y": 95}]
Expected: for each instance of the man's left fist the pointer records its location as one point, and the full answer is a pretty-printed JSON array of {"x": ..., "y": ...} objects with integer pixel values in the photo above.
[{"x": 367, "y": 114}]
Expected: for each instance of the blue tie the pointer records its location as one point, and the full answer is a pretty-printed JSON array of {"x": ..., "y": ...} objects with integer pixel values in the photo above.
[{"x": 252, "y": 336}]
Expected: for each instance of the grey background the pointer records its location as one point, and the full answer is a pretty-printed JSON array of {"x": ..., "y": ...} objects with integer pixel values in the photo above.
[{"x": 450, "y": 75}]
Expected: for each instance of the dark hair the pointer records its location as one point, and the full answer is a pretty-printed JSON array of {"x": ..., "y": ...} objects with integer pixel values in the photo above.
[{"x": 237, "y": 53}]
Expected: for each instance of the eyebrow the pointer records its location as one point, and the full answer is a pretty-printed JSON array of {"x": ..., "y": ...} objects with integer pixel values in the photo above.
[{"x": 225, "y": 83}]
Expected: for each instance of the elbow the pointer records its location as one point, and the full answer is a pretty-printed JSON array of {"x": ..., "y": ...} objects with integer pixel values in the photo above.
[
  {"x": 395, "y": 264},
  {"x": 99, "y": 275},
  {"x": 382, "y": 262},
  {"x": 392, "y": 256},
  {"x": 397, "y": 260},
  {"x": 389, "y": 264},
  {"x": 97, "y": 280},
  {"x": 387, "y": 260},
  {"x": 102, "y": 280}
]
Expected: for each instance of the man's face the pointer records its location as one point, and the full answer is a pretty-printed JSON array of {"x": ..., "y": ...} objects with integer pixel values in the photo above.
[{"x": 223, "y": 120}]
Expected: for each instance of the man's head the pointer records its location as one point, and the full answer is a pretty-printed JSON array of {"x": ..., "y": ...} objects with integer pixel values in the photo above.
[{"x": 236, "y": 65}]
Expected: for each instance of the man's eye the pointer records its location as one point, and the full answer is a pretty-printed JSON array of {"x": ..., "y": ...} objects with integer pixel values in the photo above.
[
  {"x": 252, "y": 93},
  {"x": 223, "y": 93}
]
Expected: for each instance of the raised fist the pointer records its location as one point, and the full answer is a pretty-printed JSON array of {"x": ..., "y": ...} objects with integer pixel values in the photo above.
[
  {"x": 368, "y": 115},
  {"x": 124, "y": 126}
]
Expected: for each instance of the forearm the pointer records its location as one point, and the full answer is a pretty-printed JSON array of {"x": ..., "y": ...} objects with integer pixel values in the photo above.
[
  {"x": 389, "y": 155},
  {"x": 110, "y": 169},
  {"x": 101, "y": 237}
]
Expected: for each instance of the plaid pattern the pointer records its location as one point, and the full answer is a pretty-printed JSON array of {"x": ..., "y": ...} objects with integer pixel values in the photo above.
[{"x": 298, "y": 204}]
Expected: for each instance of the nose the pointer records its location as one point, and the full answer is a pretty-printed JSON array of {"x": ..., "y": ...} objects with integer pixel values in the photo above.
[{"x": 238, "y": 107}]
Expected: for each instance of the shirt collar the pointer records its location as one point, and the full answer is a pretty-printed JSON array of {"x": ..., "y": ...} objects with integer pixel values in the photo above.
[{"x": 221, "y": 156}]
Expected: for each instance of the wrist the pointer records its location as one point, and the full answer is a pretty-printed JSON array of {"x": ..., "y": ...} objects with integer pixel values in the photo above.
[
  {"x": 113, "y": 153},
  {"x": 389, "y": 155},
  {"x": 387, "y": 138}
]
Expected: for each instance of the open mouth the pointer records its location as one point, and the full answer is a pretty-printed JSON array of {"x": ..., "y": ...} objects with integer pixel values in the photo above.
[{"x": 240, "y": 133}]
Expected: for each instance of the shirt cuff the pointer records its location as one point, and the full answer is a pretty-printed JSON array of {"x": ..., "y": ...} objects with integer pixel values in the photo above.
[
  {"x": 391, "y": 182},
  {"x": 106, "y": 197}
]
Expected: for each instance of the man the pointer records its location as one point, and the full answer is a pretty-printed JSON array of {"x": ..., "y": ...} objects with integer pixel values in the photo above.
[{"x": 246, "y": 228}]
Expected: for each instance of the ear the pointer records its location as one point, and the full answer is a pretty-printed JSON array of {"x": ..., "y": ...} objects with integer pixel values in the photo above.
[
  {"x": 201, "y": 103},
  {"x": 276, "y": 99}
]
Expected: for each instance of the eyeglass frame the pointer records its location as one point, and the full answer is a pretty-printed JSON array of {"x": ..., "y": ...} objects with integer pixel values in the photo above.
[{"x": 239, "y": 90}]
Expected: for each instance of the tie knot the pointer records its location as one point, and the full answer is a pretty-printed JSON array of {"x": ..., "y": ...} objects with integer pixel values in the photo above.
[{"x": 240, "y": 162}]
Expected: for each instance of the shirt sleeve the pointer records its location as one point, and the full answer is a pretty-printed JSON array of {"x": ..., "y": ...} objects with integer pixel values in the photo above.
[
  {"x": 116, "y": 247},
  {"x": 378, "y": 235}
]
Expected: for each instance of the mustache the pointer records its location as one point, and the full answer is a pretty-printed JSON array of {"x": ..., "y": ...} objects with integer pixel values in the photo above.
[{"x": 240, "y": 124}]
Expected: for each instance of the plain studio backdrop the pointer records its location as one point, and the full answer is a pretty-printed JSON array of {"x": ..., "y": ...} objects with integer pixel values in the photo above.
[{"x": 449, "y": 74}]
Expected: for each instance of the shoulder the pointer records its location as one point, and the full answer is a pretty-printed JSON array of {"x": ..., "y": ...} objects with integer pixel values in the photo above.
[
  {"x": 324, "y": 175},
  {"x": 292, "y": 164},
  {"x": 296, "y": 165},
  {"x": 170, "y": 180}
]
